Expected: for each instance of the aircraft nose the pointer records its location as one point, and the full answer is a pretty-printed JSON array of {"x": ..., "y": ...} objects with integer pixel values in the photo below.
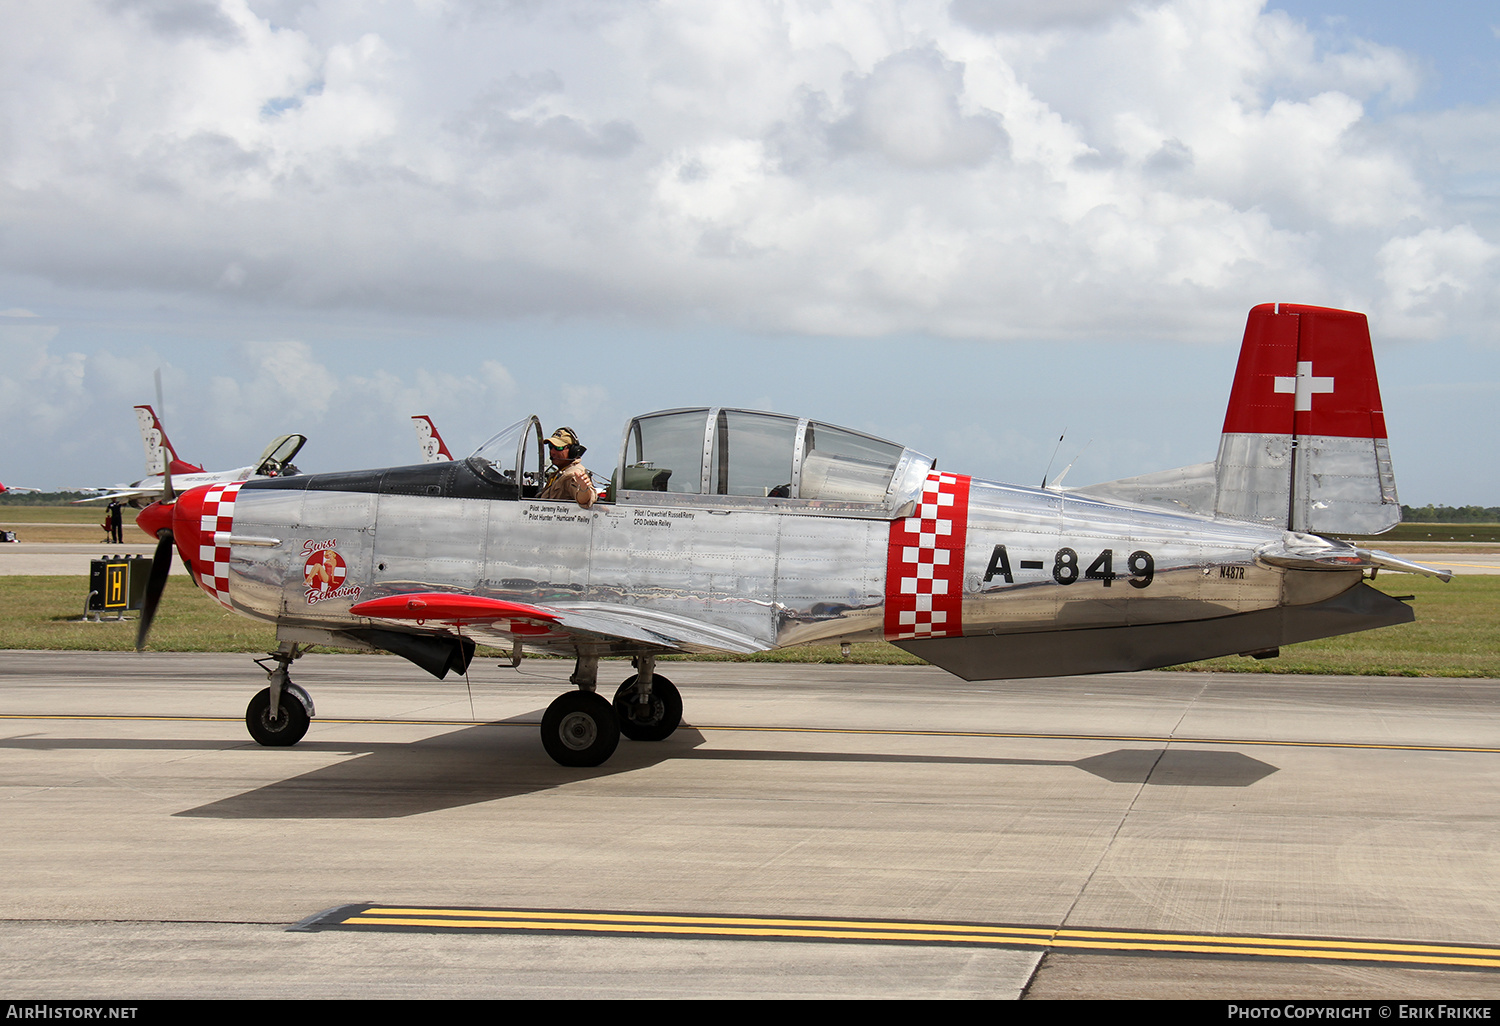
[{"x": 155, "y": 518}]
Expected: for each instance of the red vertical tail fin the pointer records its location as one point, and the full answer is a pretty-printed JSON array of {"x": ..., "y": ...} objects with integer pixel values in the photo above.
[{"x": 1304, "y": 443}]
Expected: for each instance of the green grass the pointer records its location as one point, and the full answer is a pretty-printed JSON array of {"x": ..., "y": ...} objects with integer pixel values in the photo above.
[
  {"x": 90, "y": 514},
  {"x": 1456, "y": 634},
  {"x": 44, "y": 612},
  {"x": 1478, "y": 533},
  {"x": 76, "y": 524}
]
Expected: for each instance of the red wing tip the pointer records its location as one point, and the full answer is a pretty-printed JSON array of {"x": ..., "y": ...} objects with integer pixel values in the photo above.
[{"x": 444, "y": 605}]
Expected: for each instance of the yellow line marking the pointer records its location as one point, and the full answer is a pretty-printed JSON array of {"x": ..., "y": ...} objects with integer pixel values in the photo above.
[
  {"x": 860, "y": 731},
  {"x": 703, "y": 921},
  {"x": 533, "y": 920}
]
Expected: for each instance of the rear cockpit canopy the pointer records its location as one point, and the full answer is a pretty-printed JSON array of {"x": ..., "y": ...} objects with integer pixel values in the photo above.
[{"x": 792, "y": 462}]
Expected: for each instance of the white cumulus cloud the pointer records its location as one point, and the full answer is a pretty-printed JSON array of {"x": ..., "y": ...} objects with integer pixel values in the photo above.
[{"x": 994, "y": 170}]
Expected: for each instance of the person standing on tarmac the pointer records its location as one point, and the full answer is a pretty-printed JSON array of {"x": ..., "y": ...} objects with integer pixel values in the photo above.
[{"x": 570, "y": 479}]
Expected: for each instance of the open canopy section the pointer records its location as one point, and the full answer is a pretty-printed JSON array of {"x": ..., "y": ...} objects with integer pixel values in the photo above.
[
  {"x": 276, "y": 461},
  {"x": 514, "y": 457},
  {"x": 768, "y": 456}
]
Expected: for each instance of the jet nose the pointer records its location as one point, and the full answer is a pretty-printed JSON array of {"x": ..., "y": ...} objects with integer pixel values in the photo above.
[{"x": 155, "y": 518}]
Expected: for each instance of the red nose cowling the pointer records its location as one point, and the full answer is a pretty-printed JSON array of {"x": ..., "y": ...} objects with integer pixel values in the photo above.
[
  {"x": 184, "y": 517},
  {"x": 155, "y": 518}
]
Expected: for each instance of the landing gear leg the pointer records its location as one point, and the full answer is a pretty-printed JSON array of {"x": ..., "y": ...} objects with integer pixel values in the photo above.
[
  {"x": 585, "y": 673},
  {"x": 279, "y": 716}
]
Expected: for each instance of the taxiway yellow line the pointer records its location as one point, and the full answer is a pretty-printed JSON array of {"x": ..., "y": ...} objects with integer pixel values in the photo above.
[
  {"x": 857, "y": 731},
  {"x": 915, "y": 932}
]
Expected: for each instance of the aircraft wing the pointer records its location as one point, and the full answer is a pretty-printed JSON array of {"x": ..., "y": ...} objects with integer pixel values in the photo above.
[
  {"x": 122, "y": 494},
  {"x": 583, "y": 621}
]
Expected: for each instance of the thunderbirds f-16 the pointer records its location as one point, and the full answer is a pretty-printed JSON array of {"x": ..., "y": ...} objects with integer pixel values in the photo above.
[
  {"x": 275, "y": 461},
  {"x": 434, "y": 449},
  {"x": 727, "y": 530}
]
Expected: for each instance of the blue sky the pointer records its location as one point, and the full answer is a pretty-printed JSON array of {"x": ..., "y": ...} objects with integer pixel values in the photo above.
[{"x": 968, "y": 226}]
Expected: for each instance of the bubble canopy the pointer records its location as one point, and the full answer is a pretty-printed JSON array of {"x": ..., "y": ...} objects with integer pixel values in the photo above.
[
  {"x": 754, "y": 455},
  {"x": 739, "y": 455}
]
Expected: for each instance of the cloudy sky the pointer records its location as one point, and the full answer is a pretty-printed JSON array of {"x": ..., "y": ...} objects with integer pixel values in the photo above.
[{"x": 966, "y": 225}]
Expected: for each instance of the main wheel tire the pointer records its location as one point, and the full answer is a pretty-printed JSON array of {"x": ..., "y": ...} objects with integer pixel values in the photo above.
[
  {"x": 656, "y": 723},
  {"x": 580, "y": 729},
  {"x": 288, "y": 727}
]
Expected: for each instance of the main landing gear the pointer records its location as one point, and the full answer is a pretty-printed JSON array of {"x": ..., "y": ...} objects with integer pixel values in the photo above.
[
  {"x": 279, "y": 716},
  {"x": 581, "y": 728}
]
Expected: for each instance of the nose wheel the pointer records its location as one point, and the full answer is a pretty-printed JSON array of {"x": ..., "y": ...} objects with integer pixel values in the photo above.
[
  {"x": 281, "y": 730},
  {"x": 278, "y": 717}
]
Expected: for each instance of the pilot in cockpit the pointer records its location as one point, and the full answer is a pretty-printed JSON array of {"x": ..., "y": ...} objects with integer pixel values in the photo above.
[{"x": 568, "y": 479}]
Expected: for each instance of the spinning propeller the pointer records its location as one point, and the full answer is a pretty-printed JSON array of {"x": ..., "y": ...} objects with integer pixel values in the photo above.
[{"x": 159, "y": 512}]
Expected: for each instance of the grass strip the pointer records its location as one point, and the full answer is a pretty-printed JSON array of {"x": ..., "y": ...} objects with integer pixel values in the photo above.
[{"x": 1456, "y": 634}]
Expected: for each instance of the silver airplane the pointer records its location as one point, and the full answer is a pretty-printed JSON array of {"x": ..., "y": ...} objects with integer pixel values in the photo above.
[{"x": 727, "y": 530}]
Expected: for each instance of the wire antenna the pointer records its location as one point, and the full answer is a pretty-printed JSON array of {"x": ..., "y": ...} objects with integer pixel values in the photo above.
[{"x": 1054, "y": 455}]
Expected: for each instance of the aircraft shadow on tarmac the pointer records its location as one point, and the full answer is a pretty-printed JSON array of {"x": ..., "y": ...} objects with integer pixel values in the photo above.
[{"x": 502, "y": 759}]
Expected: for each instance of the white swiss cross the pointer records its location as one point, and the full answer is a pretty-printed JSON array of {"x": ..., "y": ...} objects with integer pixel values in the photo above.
[{"x": 1304, "y": 385}]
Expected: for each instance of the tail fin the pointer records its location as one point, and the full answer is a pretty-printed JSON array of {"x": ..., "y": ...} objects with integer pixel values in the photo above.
[
  {"x": 433, "y": 449},
  {"x": 154, "y": 437},
  {"x": 159, "y": 447},
  {"x": 1304, "y": 443}
]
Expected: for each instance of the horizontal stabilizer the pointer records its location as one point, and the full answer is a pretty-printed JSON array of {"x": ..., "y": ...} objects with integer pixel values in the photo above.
[{"x": 1297, "y": 551}]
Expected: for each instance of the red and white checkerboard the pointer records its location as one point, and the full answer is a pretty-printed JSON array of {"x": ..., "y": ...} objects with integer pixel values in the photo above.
[
  {"x": 216, "y": 519},
  {"x": 924, "y": 575}
]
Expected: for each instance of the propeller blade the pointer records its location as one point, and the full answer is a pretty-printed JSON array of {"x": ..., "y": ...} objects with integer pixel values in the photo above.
[
  {"x": 161, "y": 412},
  {"x": 161, "y": 566}
]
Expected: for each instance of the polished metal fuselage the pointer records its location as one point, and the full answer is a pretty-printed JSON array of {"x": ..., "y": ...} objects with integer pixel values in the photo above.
[{"x": 759, "y": 573}]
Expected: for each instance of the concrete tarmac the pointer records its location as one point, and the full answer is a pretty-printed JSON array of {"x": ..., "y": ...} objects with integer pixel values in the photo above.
[
  {"x": 152, "y": 850},
  {"x": 56, "y": 559}
]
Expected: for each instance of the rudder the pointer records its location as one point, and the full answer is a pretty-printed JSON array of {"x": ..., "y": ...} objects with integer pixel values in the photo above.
[{"x": 1304, "y": 444}]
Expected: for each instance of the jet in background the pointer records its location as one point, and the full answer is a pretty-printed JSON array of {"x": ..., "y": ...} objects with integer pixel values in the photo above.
[
  {"x": 433, "y": 448},
  {"x": 275, "y": 461}
]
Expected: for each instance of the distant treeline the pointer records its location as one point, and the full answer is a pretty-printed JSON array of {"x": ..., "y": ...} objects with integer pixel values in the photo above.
[
  {"x": 1450, "y": 514},
  {"x": 40, "y": 498}
]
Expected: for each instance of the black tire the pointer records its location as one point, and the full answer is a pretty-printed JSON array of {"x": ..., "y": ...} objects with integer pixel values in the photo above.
[
  {"x": 287, "y": 729},
  {"x": 580, "y": 729},
  {"x": 660, "y": 721}
]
